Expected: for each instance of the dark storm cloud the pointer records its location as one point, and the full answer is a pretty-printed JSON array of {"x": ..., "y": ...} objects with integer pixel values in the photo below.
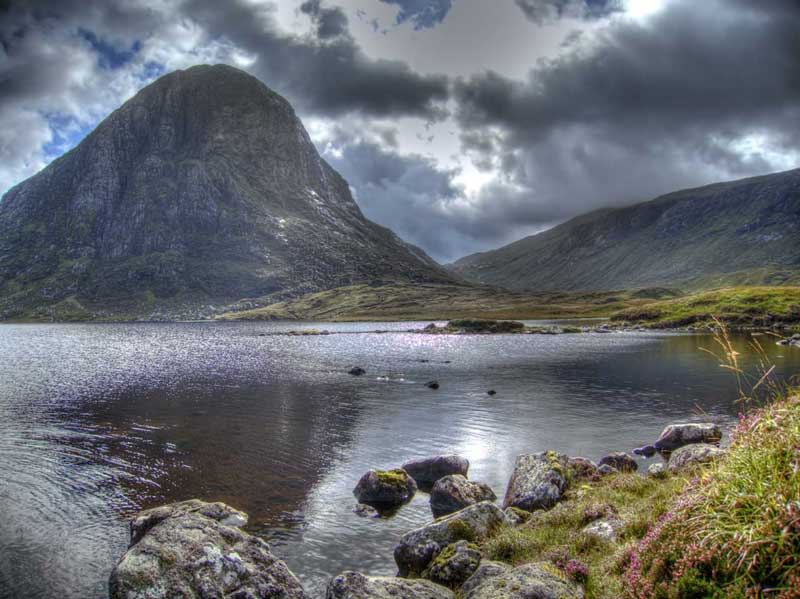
[
  {"x": 542, "y": 11},
  {"x": 328, "y": 78},
  {"x": 330, "y": 22},
  {"x": 421, "y": 13},
  {"x": 652, "y": 107}
]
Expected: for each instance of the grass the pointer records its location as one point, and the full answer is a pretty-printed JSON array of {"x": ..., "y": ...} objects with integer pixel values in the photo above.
[
  {"x": 402, "y": 301},
  {"x": 756, "y": 306},
  {"x": 555, "y": 536}
]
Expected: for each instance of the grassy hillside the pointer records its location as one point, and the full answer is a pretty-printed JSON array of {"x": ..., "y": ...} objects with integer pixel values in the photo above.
[
  {"x": 736, "y": 233},
  {"x": 401, "y": 301},
  {"x": 736, "y": 305}
]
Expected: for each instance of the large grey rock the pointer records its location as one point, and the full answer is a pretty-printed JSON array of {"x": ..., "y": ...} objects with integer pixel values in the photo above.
[
  {"x": 676, "y": 436},
  {"x": 418, "y": 547},
  {"x": 539, "y": 480},
  {"x": 427, "y": 471},
  {"x": 488, "y": 569},
  {"x": 353, "y": 585},
  {"x": 621, "y": 461},
  {"x": 385, "y": 488},
  {"x": 693, "y": 455},
  {"x": 530, "y": 581},
  {"x": 185, "y": 551},
  {"x": 454, "y": 565},
  {"x": 454, "y": 492}
]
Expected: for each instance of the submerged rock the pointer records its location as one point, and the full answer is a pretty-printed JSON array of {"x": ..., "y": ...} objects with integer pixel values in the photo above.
[
  {"x": 620, "y": 461},
  {"x": 357, "y": 371},
  {"x": 539, "y": 480},
  {"x": 454, "y": 492},
  {"x": 365, "y": 511},
  {"x": 354, "y": 585},
  {"x": 418, "y": 547},
  {"x": 693, "y": 455},
  {"x": 491, "y": 392},
  {"x": 676, "y": 436},
  {"x": 187, "y": 550},
  {"x": 385, "y": 488},
  {"x": 432, "y": 384},
  {"x": 529, "y": 581},
  {"x": 427, "y": 471},
  {"x": 455, "y": 564}
]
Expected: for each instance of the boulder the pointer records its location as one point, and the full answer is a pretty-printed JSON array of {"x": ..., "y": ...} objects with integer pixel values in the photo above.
[
  {"x": 676, "y": 436},
  {"x": 454, "y": 565},
  {"x": 539, "y": 480},
  {"x": 385, "y": 488},
  {"x": 657, "y": 470},
  {"x": 693, "y": 455},
  {"x": 488, "y": 569},
  {"x": 529, "y": 581},
  {"x": 621, "y": 461},
  {"x": 353, "y": 585},
  {"x": 582, "y": 468},
  {"x": 427, "y": 471},
  {"x": 418, "y": 547},
  {"x": 187, "y": 550},
  {"x": 357, "y": 371},
  {"x": 454, "y": 492}
]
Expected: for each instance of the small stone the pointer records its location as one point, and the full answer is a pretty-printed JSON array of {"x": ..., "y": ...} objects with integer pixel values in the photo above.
[
  {"x": 607, "y": 529},
  {"x": 491, "y": 392},
  {"x": 606, "y": 470},
  {"x": 621, "y": 461},
  {"x": 648, "y": 451},
  {"x": 357, "y": 371},
  {"x": 365, "y": 511},
  {"x": 432, "y": 385},
  {"x": 657, "y": 470}
]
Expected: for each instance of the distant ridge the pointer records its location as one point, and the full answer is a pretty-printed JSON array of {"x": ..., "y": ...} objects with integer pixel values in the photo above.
[
  {"x": 739, "y": 232},
  {"x": 202, "y": 189}
]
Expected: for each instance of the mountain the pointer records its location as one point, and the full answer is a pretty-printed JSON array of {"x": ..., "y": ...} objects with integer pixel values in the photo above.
[
  {"x": 740, "y": 232},
  {"x": 204, "y": 188}
]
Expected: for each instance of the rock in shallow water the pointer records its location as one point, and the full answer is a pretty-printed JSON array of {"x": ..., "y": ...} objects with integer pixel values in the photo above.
[
  {"x": 454, "y": 492},
  {"x": 385, "y": 488},
  {"x": 676, "y": 436},
  {"x": 539, "y": 480},
  {"x": 353, "y": 585},
  {"x": 418, "y": 547},
  {"x": 186, "y": 551},
  {"x": 427, "y": 471}
]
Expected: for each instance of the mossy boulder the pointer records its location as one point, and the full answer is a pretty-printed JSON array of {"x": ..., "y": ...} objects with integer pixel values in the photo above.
[
  {"x": 385, "y": 488},
  {"x": 187, "y": 550},
  {"x": 419, "y": 547},
  {"x": 454, "y": 565},
  {"x": 621, "y": 461}
]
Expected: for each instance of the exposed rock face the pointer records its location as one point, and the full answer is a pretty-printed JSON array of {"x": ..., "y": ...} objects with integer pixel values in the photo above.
[
  {"x": 530, "y": 581},
  {"x": 204, "y": 188},
  {"x": 418, "y": 547},
  {"x": 353, "y": 585},
  {"x": 621, "y": 461},
  {"x": 454, "y": 492},
  {"x": 454, "y": 565},
  {"x": 385, "y": 488},
  {"x": 693, "y": 455},
  {"x": 187, "y": 550},
  {"x": 676, "y": 436},
  {"x": 703, "y": 234},
  {"x": 539, "y": 480},
  {"x": 427, "y": 471}
]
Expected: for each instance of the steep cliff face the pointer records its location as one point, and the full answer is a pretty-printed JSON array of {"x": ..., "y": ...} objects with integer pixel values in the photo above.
[
  {"x": 740, "y": 232},
  {"x": 202, "y": 189}
]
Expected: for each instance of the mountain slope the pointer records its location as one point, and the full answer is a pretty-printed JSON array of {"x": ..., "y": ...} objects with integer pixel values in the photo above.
[
  {"x": 203, "y": 188},
  {"x": 742, "y": 232}
]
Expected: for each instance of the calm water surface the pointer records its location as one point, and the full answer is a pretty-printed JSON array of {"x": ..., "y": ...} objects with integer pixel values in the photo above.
[{"x": 98, "y": 421}]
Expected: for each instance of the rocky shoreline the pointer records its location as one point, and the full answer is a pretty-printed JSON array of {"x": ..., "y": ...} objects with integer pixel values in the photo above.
[{"x": 195, "y": 549}]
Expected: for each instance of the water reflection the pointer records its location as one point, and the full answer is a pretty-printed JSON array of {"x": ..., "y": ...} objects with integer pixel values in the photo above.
[{"x": 97, "y": 421}]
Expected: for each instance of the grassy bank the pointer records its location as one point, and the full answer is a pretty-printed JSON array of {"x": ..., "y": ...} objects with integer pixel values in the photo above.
[
  {"x": 755, "y": 306},
  {"x": 401, "y": 301},
  {"x": 730, "y": 530}
]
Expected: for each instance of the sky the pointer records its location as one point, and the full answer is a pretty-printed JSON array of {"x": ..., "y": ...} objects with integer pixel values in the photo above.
[{"x": 462, "y": 125}]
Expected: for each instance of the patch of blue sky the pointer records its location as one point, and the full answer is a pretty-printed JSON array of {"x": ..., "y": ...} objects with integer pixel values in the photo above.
[
  {"x": 110, "y": 56},
  {"x": 423, "y": 14}
]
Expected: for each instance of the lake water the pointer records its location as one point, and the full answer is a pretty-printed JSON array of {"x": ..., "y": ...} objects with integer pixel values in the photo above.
[{"x": 98, "y": 421}]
